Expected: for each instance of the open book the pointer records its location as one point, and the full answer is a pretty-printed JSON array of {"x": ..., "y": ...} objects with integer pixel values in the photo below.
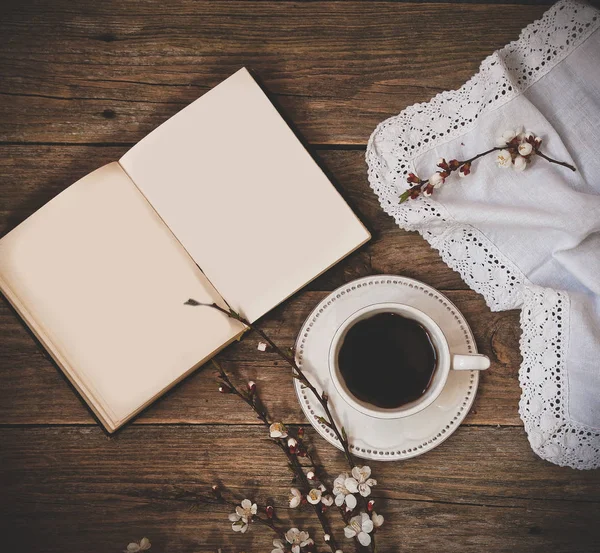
[{"x": 221, "y": 203}]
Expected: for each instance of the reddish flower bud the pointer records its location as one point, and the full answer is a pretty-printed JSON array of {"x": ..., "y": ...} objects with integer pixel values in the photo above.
[
  {"x": 252, "y": 386},
  {"x": 453, "y": 164},
  {"x": 428, "y": 190},
  {"x": 370, "y": 505},
  {"x": 442, "y": 164},
  {"x": 325, "y": 396},
  {"x": 224, "y": 389},
  {"x": 323, "y": 508},
  {"x": 300, "y": 432},
  {"x": 412, "y": 178},
  {"x": 415, "y": 191},
  {"x": 270, "y": 511},
  {"x": 465, "y": 170}
]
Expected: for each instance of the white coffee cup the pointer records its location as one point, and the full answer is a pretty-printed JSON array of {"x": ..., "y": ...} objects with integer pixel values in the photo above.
[{"x": 446, "y": 361}]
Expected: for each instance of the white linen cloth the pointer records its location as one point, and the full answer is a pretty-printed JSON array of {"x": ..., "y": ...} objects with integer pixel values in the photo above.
[{"x": 528, "y": 240}]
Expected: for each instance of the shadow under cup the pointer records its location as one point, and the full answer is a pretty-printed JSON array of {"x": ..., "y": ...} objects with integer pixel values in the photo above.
[{"x": 434, "y": 380}]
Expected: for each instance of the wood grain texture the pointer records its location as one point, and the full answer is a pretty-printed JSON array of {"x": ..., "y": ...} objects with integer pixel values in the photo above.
[
  {"x": 72, "y": 490},
  {"x": 82, "y": 82},
  {"x": 113, "y": 71}
]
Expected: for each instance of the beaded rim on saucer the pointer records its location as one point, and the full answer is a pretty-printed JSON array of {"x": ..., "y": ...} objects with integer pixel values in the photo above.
[{"x": 434, "y": 425}]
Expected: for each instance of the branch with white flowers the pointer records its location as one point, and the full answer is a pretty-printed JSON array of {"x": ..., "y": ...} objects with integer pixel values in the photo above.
[
  {"x": 516, "y": 149},
  {"x": 347, "y": 487},
  {"x": 292, "y": 447}
]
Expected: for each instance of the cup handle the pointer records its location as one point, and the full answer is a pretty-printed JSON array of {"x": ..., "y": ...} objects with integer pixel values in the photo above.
[{"x": 470, "y": 362}]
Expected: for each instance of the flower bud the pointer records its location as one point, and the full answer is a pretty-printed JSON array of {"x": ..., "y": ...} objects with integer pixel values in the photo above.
[
  {"x": 310, "y": 475},
  {"x": 464, "y": 170},
  {"x": 326, "y": 537},
  {"x": 442, "y": 164},
  {"x": 520, "y": 163},
  {"x": 252, "y": 386},
  {"x": 224, "y": 389},
  {"x": 525, "y": 149},
  {"x": 269, "y": 511},
  {"x": 370, "y": 505},
  {"x": 412, "y": 178},
  {"x": 436, "y": 180},
  {"x": 453, "y": 164},
  {"x": 301, "y": 432}
]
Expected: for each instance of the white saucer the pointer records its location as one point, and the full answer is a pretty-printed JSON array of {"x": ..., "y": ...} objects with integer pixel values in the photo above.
[{"x": 369, "y": 437}]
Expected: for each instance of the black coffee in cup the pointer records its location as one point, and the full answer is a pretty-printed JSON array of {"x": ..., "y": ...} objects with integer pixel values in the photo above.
[{"x": 387, "y": 360}]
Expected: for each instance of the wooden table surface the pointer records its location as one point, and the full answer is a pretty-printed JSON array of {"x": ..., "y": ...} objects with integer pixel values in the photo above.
[{"x": 81, "y": 82}]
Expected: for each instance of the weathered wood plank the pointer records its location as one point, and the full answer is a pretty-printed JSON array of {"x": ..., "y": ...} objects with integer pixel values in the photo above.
[
  {"x": 33, "y": 391},
  {"x": 71, "y": 490},
  {"x": 111, "y": 72}
]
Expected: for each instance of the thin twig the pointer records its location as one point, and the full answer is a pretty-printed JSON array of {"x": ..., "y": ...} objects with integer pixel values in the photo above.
[
  {"x": 321, "y": 398},
  {"x": 548, "y": 158},
  {"x": 292, "y": 459}
]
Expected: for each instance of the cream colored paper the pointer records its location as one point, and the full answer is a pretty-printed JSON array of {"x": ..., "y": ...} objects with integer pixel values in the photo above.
[
  {"x": 243, "y": 196},
  {"x": 102, "y": 281}
]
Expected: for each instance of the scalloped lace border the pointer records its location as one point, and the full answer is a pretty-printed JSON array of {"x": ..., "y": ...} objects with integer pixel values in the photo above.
[{"x": 397, "y": 141}]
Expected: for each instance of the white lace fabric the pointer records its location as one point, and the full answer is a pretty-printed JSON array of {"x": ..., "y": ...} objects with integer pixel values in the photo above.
[{"x": 538, "y": 253}]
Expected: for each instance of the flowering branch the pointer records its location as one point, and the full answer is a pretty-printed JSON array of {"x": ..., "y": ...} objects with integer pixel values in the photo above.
[
  {"x": 279, "y": 432},
  {"x": 362, "y": 526},
  {"x": 516, "y": 149}
]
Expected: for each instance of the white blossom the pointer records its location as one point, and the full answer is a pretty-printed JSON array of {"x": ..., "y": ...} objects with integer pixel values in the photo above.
[
  {"x": 343, "y": 488},
  {"x": 360, "y": 527},
  {"x": 279, "y": 546},
  {"x": 278, "y": 430},
  {"x": 362, "y": 475},
  {"x": 504, "y": 159},
  {"x": 377, "y": 519},
  {"x": 525, "y": 148},
  {"x": 327, "y": 500},
  {"x": 134, "y": 547},
  {"x": 520, "y": 163},
  {"x": 239, "y": 524},
  {"x": 242, "y": 516},
  {"x": 314, "y": 496},
  {"x": 436, "y": 180},
  {"x": 297, "y": 539},
  {"x": 295, "y": 497}
]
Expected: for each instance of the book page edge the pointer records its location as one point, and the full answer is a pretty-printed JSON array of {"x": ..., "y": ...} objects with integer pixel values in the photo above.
[{"x": 37, "y": 330}]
